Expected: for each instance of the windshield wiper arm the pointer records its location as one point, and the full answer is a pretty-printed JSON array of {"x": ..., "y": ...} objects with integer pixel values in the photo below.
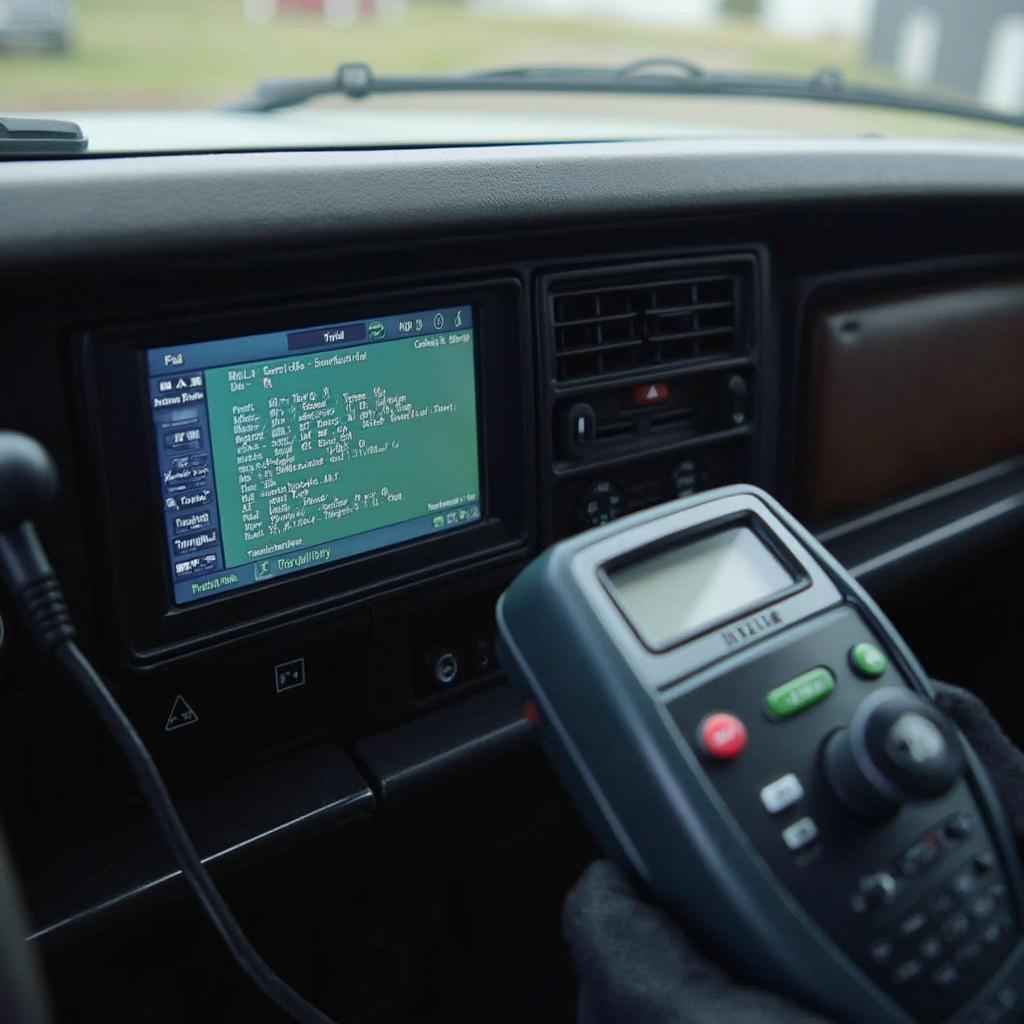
[
  {"x": 668, "y": 76},
  {"x": 22, "y": 137}
]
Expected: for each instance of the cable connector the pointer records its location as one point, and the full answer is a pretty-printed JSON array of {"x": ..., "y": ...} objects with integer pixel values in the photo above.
[{"x": 46, "y": 614}]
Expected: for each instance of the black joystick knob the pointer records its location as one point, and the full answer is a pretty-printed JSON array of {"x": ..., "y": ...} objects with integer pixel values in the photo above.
[
  {"x": 28, "y": 485},
  {"x": 898, "y": 749},
  {"x": 28, "y": 479}
]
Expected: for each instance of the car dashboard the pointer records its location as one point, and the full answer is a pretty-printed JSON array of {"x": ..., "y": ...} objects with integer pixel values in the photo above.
[{"x": 493, "y": 349}]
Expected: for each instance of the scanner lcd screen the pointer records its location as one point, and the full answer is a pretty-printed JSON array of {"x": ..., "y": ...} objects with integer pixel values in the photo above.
[{"x": 674, "y": 593}]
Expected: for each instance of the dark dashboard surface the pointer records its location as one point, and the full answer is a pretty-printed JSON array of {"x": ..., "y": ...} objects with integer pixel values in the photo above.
[{"x": 545, "y": 239}]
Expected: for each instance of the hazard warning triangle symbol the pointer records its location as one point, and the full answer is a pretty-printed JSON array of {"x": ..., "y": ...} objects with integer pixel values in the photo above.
[{"x": 182, "y": 714}]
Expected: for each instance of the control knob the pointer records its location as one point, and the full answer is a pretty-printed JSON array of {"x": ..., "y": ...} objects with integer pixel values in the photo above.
[
  {"x": 898, "y": 749},
  {"x": 600, "y": 503}
]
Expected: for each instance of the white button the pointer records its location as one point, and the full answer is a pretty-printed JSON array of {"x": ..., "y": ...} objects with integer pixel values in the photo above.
[
  {"x": 782, "y": 793},
  {"x": 800, "y": 833}
]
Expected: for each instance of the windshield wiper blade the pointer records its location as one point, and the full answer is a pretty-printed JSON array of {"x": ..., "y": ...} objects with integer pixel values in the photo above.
[{"x": 668, "y": 76}]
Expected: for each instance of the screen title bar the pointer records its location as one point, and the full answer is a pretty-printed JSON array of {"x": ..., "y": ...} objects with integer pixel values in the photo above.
[{"x": 207, "y": 354}]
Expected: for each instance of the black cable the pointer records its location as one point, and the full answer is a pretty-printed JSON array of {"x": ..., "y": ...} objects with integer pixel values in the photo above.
[
  {"x": 174, "y": 835},
  {"x": 28, "y": 486}
]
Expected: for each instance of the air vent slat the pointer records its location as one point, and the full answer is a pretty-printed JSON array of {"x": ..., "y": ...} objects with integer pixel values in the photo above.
[
  {"x": 617, "y": 428},
  {"x": 606, "y": 326},
  {"x": 657, "y": 339},
  {"x": 583, "y": 321},
  {"x": 611, "y": 346},
  {"x": 695, "y": 307}
]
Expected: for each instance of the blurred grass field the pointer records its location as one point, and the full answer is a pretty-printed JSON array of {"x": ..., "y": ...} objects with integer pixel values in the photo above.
[{"x": 189, "y": 53}]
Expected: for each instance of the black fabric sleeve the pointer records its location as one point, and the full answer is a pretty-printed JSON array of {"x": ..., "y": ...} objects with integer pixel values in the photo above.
[
  {"x": 1003, "y": 759},
  {"x": 635, "y": 965}
]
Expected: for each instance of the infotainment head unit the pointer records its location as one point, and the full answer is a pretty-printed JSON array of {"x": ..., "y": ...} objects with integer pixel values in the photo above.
[
  {"x": 281, "y": 451},
  {"x": 252, "y": 465}
]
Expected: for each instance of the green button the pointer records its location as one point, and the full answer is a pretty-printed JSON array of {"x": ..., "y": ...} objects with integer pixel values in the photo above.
[
  {"x": 792, "y": 697},
  {"x": 868, "y": 660}
]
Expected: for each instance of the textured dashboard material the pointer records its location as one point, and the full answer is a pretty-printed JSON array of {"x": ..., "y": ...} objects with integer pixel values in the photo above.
[
  {"x": 909, "y": 389},
  {"x": 201, "y": 203}
]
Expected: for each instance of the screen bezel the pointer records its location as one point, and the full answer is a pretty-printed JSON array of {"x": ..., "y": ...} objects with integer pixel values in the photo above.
[
  {"x": 747, "y": 520},
  {"x": 150, "y": 628}
]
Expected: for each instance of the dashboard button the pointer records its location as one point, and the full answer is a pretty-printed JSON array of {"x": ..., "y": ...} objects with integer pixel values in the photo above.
[
  {"x": 800, "y": 693},
  {"x": 289, "y": 674},
  {"x": 723, "y": 736},
  {"x": 444, "y": 667},
  {"x": 650, "y": 394},
  {"x": 580, "y": 428},
  {"x": 800, "y": 834},
  {"x": 685, "y": 478},
  {"x": 737, "y": 395},
  {"x": 782, "y": 793},
  {"x": 600, "y": 503},
  {"x": 182, "y": 715},
  {"x": 484, "y": 651},
  {"x": 868, "y": 661}
]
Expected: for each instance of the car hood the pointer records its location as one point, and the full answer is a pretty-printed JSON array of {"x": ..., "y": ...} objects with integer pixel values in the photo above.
[
  {"x": 358, "y": 127},
  {"x": 417, "y": 121}
]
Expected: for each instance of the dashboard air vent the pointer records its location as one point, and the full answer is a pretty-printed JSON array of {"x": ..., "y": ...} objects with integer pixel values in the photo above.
[{"x": 608, "y": 326}]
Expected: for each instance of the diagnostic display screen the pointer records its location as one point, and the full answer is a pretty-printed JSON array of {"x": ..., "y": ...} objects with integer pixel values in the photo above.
[
  {"x": 285, "y": 451},
  {"x": 676, "y": 592}
]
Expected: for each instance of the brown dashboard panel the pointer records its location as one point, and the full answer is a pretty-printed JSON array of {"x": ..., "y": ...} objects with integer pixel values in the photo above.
[{"x": 908, "y": 388}]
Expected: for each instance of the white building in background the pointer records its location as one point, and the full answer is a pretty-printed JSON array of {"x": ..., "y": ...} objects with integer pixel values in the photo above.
[
  {"x": 971, "y": 47},
  {"x": 652, "y": 12},
  {"x": 818, "y": 17},
  {"x": 784, "y": 17},
  {"x": 664, "y": 12}
]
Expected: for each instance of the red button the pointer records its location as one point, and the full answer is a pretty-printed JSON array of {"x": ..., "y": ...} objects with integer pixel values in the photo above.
[
  {"x": 723, "y": 736},
  {"x": 650, "y": 394}
]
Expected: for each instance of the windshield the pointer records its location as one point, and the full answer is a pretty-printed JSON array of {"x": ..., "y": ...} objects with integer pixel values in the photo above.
[{"x": 158, "y": 74}]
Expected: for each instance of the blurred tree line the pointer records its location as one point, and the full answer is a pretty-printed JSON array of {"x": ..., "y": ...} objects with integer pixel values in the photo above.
[{"x": 741, "y": 8}]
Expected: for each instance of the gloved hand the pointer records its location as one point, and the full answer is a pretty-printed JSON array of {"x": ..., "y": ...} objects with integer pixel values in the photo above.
[
  {"x": 634, "y": 963},
  {"x": 1002, "y": 758}
]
